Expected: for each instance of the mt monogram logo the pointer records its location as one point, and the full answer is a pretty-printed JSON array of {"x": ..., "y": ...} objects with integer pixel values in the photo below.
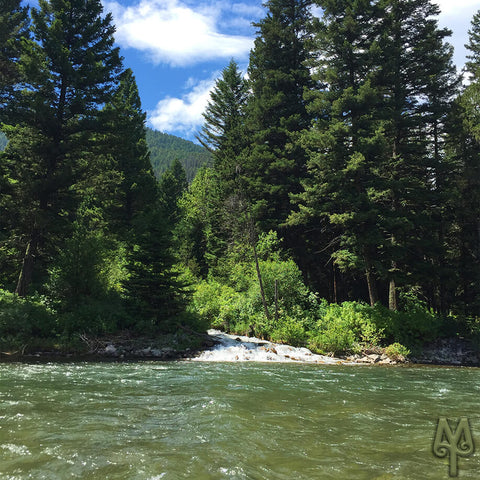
[{"x": 454, "y": 443}]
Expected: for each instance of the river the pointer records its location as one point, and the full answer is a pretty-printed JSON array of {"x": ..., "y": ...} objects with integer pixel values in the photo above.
[{"x": 217, "y": 420}]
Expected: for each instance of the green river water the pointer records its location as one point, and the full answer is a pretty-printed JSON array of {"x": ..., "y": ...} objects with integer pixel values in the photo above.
[{"x": 192, "y": 420}]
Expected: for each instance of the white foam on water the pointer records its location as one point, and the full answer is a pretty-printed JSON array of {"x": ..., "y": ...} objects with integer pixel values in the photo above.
[{"x": 238, "y": 348}]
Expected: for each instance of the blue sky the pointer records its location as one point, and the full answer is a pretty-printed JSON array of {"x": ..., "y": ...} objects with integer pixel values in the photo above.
[{"x": 177, "y": 48}]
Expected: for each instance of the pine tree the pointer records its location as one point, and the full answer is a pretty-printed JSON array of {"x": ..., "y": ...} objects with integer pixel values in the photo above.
[
  {"x": 418, "y": 81},
  {"x": 13, "y": 28},
  {"x": 376, "y": 148},
  {"x": 72, "y": 68},
  {"x": 152, "y": 288},
  {"x": 472, "y": 66},
  {"x": 279, "y": 74},
  {"x": 465, "y": 150},
  {"x": 124, "y": 139},
  {"x": 223, "y": 132},
  {"x": 346, "y": 144},
  {"x": 172, "y": 185}
]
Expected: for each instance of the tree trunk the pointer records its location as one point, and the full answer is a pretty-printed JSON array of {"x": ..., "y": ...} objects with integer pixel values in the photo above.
[
  {"x": 335, "y": 286},
  {"x": 371, "y": 283},
  {"x": 26, "y": 272},
  {"x": 276, "y": 301},
  {"x": 392, "y": 295},
  {"x": 259, "y": 275}
]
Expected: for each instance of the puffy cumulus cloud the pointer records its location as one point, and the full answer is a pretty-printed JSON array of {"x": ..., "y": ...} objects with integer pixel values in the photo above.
[
  {"x": 172, "y": 32},
  {"x": 183, "y": 115}
]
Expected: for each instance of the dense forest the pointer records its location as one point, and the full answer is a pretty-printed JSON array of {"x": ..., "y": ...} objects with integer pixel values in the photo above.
[
  {"x": 341, "y": 208},
  {"x": 164, "y": 149}
]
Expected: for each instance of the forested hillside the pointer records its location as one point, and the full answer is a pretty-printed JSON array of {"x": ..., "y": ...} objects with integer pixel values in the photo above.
[{"x": 165, "y": 148}]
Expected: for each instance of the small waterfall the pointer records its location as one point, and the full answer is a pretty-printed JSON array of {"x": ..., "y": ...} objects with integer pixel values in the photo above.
[{"x": 237, "y": 348}]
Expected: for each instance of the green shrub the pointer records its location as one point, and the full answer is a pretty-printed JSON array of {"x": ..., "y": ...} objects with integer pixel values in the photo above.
[
  {"x": 24, "y": 318},
  {"x": 94, "y": 316},
  {"x": 397, "y": 351},
  {"x": 215, "y": 304},
  {"x": 289, "y": 330},
  {"x": 414, "y": 325},
  {"x": 344, "y": 328}
]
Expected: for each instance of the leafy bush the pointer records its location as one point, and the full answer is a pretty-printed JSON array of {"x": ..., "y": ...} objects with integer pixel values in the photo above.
[
  {"x": 216, "y": 304},
  {"x": 344, "y": 328},
  {"x": 24, "y": 318},
  {"x": 291, "y": 331},
  {"x": 397, "y": 351},
  {"x": 414, "y": 325},
  {"x": 94, "y": 316}
]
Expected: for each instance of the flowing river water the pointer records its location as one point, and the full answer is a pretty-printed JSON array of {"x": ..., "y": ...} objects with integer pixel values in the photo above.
[{"x": 224, "y": 420}]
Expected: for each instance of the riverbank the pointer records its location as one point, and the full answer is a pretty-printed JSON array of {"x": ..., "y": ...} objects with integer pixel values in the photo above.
[{"x": 217, "y": 346}]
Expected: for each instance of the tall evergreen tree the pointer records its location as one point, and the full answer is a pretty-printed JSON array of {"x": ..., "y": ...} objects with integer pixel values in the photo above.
[
  {"x": 172, "y": 185},
  {"x": 72, "y": 68},
  {"x": 376, "y": 148},
  {"x": 124, "y": 131},
  {"x": 13, "y": 28},
  {"x": 465, "y": 150},
  {"x": 152, "y": 288},
  {"x": 418, "y": 81},
  {"x": 473, "y": 64},
  {"x": 346, "y": 143},
  {"x": 279, "y": 74},
  {"x": 223, "y": 132}
]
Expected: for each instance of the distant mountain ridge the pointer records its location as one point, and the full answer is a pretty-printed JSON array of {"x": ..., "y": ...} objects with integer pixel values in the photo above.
[{"x": 164, "y": 149}]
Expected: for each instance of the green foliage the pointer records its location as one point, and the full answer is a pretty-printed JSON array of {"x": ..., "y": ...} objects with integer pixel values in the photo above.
[
  {"x": 274, "y": 161},
  {"x": 412, "y": 326},
  {"x": 172, "y": 185},
  {"x": 383, "y": 173},
  {"x": 94, "y": 316},
  {"x": 397, "y": 351},
  {"x": 217, "y": 305},
  {"x": 136, "y": 187},
  {"x": 289, "y": 330},
  {"x": 198, "y": 229},
  {"x": 3, "y": 141},
  {"x": 152, "y": 287},
  {"x": 344, "y": 328},
  {"x": 13, "y": 29},
  {"x": 165, "y": 149},
  {"x": 24, "y": 318},
  {"x": 223, "y": 130}
]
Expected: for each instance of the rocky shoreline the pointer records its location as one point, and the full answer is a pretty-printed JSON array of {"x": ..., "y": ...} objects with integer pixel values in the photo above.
[{"x": 444, "y": 352}]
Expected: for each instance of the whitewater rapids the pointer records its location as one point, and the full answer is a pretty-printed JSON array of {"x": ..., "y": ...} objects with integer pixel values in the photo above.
[{"x": 238, "y": 348}]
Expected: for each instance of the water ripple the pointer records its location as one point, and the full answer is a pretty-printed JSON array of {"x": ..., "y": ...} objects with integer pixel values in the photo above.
[{"x": 229, "y": 421}]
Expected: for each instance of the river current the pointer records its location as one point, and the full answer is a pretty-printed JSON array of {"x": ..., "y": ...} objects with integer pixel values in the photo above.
[{"x": 216, "y": 420}]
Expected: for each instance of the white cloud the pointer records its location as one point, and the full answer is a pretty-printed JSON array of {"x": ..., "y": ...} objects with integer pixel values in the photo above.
[
  {"x": 172, "y": 32},
  {"x": 183, "y": 115},
  {"x": 457, "y": 16},
  {"x": 455, "y": 6}
]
